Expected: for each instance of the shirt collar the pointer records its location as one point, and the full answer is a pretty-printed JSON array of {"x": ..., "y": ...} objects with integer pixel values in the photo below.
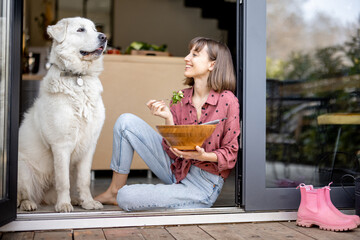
[{"x": 212, "y": 99}]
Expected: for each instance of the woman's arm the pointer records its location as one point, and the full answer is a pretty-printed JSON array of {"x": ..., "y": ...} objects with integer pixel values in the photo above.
[
  {"x": 199, "y": 154},
  {"x": 229, "y": 146},
  {"x": 225, "y": 155},
  {"x": 160, "y": 109}
]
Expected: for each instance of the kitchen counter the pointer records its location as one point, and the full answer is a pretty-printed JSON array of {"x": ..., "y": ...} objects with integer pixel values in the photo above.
[{"x": 129, "y": 82}]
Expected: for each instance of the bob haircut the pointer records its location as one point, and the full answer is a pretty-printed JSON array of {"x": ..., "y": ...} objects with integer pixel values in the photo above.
[{"x": 222, "y": 77}]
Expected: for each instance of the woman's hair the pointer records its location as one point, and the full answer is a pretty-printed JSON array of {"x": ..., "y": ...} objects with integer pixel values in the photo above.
[{"x": 222, "y": 77}]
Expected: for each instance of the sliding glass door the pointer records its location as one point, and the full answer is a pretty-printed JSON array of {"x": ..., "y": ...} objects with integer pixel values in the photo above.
[
  {"x": 301, "y": 100},
  {"x": 10, "y": 62}
]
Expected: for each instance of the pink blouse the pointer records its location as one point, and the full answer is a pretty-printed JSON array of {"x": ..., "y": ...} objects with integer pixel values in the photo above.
[{"x": 224, "y": 140}]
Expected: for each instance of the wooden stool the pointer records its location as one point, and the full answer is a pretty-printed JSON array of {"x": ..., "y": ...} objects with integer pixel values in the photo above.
[{"x": 338, "y": 119}]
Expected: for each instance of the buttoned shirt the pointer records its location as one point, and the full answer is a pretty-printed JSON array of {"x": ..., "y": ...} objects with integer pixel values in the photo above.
[{"x": 223, "y": 141}]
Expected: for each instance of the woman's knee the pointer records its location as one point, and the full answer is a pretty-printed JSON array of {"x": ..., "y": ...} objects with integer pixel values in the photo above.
[
  {"x": 125, "y": 121},
  {"x": 125, "y": 199}
]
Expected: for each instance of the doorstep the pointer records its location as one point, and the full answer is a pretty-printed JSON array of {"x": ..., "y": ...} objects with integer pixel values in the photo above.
[{"x": 110, "y": 219}]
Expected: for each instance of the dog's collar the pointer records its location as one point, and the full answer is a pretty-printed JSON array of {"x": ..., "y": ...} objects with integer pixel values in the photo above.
[
  {"x": 64, "y": 73},
  {"x": 79, "y": 79}
]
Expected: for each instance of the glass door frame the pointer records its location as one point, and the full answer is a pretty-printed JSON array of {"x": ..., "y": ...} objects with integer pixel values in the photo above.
[
  {"x": 252, "y": 85},
  {"x": 8, "y": 203},
  {"x": 256, "y": 195}
]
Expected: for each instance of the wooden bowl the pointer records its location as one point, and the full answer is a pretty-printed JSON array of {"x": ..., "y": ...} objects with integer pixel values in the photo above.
[{"x": 185, "y": 137}]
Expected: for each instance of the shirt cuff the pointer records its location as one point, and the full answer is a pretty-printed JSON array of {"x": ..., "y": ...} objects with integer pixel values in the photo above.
[{"x": 222, "y": 163}]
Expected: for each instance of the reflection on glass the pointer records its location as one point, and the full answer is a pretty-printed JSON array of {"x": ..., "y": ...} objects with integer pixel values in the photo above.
[
  {"x": 3, "y": 84},
  {"x": 313, "y": 75}
]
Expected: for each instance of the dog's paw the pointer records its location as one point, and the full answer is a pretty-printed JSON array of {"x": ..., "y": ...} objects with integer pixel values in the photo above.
[
  {"x": 28, "y": 205},
  {"x": 64, "y": 207},
  {"x": 91, "y": 205},
  {"x": 76, "y": 201}
]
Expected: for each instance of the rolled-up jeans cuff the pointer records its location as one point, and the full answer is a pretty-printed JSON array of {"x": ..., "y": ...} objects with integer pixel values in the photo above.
[{"x": 120, "y": 171}]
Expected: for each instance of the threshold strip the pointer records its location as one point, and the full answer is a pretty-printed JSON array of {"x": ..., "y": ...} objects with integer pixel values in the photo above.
[
  {"x": 117, "y": 214},
  {"x": 56, "y": 221}
]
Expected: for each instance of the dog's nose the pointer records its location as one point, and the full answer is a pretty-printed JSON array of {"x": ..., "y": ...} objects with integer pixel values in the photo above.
[{"x": 102, "y": 37}]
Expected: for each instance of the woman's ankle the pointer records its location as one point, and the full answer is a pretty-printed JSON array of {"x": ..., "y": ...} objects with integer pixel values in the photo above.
[
  {"x": 106, "y": 198},
  {"x": 113, "y": 190}
]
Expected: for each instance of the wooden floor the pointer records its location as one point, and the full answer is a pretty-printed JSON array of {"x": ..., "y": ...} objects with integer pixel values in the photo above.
[{"x": 268, "y": 231}]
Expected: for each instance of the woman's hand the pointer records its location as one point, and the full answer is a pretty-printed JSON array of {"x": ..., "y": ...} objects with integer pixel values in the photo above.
[
  {"x": 199, "y": 154},
  {"x": 160, "y": 109}
]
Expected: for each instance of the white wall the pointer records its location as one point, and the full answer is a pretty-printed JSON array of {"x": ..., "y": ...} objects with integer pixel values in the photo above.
[{"x": 161, "y": 21}]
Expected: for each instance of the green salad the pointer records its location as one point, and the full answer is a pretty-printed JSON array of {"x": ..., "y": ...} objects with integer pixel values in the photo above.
[{"x": 176, "y": 97}]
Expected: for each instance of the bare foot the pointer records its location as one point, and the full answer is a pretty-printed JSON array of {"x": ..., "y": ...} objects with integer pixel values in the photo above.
[{"x": 107, "y": 198}]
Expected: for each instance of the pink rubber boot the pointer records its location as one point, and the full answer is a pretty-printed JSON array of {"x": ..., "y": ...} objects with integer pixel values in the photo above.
[
  {"x": 327, "y": 189},
  {"x": 314, "y": 210}
]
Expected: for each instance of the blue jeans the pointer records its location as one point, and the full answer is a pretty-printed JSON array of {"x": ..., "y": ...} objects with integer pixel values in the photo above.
[{"x": 199, "y": 189}]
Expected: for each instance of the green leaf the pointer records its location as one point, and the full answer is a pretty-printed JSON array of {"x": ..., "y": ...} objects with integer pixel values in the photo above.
[{"x": 177, "y": 96}]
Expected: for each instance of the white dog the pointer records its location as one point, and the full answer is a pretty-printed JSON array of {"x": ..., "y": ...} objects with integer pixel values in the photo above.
[{"x": 58, "y": 136}]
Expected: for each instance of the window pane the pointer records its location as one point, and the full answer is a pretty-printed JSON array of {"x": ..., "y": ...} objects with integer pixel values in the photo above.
[
  {"x": 313, "y": 92},
  {"x": 3, "y": 86}
]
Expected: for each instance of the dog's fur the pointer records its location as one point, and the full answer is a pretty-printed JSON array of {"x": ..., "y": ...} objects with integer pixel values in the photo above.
[{"x": 58, "y": 135}]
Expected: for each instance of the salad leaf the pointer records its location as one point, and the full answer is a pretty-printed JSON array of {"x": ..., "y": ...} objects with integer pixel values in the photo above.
[{"x": 177, "y": 96}]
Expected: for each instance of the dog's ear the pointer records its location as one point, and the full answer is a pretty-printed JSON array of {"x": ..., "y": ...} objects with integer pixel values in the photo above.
[{"x": 58, "y": 31}]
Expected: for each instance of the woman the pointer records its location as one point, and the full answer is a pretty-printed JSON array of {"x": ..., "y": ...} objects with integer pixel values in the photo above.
[{"x": 192, "y": 179}]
